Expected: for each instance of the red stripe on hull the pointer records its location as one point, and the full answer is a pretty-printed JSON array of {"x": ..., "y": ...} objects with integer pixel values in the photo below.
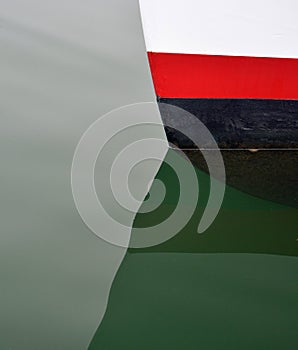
[{"x": 210, "y": 76}]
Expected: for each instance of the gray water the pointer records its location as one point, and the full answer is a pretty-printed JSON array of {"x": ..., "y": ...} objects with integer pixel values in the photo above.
[{"x": 62, "y": 64}]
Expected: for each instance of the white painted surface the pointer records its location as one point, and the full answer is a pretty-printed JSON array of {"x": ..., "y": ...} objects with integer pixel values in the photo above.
[
  {"x": 63, "y": 64},
  {"x": 261, "y": 28}
]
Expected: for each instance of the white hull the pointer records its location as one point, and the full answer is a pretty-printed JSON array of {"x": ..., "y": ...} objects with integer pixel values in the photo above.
[{"x": 260, "y": 28}]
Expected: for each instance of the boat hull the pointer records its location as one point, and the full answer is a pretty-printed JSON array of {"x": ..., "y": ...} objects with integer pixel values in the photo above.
[{"x": 234, "y": 66}]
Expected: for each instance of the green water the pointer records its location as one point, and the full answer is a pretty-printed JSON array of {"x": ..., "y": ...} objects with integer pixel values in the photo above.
[
  {"x": 234, "y": 287},
  {"x": 202, "y": 301}
]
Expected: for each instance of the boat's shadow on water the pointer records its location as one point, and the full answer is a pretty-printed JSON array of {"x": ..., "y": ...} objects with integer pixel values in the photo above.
[{"x": 233, "y": 287}]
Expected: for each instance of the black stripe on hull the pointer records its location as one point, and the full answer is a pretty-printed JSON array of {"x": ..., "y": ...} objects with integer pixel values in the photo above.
[
  {"x": 239, "y": 126},
  {"x": 239, "y": 123}
]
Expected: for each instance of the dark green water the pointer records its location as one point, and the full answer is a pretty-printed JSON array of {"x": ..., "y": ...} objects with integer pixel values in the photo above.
[{"x": 234, "y": 287}]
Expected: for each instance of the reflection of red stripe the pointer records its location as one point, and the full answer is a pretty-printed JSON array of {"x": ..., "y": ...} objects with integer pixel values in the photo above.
[{"x": 207, "y": 76}]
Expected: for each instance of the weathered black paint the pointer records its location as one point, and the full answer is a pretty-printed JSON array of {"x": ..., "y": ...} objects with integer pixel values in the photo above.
[{"x": 241, "y": 123}]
